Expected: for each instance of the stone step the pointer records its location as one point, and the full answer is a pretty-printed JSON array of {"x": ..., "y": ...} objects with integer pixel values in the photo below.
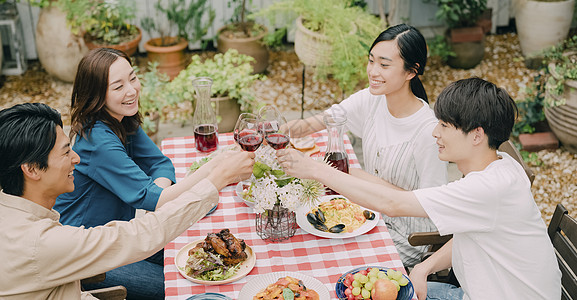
[{"x": 534, "y": 142}]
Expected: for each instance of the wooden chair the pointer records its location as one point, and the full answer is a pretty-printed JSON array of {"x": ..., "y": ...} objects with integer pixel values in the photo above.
[
  {"x": 563, "y": 233},
  {"x": 111, "y": 293},
  {"x": 436, "y": 241}
]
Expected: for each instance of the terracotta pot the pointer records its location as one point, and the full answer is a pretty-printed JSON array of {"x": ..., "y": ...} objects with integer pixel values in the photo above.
[
  {"x": 59, "y": 51},
  {"x": 129, "y": 47},
  {"x": 228, "y": 110},
  {"x": 469, "y": 45},
  {"x": 251, "y": 46},
  {"x": 542, "y": 24},
  {"x": 171, "y": 59}
]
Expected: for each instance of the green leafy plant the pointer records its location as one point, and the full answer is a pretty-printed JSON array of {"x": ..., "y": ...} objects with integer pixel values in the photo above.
[
  {"x": 440, "y": 48},
  {"x": 231, "y": 75},
  {"x": 187, "y": 20},
  {"x": 560, "y": 66},
  {"x": 152, "y": 100},
  {"x": 459, "y": 13},
  {"x": 530, "y": 108},
  {"x": 242, "y": 25},
  {"x": 103, "y": 21},
  {"x": 349, "y": 29}
]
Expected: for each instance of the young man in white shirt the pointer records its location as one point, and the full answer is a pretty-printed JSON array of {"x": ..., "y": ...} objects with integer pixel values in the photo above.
[{"x": 500, "y": 248}]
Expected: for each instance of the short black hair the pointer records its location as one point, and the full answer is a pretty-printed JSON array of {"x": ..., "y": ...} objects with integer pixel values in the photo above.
[
  {"x": 471, "y": 103},
  {"x": 27, "y": 135}
]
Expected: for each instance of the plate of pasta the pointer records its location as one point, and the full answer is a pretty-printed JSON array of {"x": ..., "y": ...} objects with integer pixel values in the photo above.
[{"x": 336, "y": 217}]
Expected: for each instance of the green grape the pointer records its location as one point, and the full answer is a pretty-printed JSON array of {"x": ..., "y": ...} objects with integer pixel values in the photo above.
[
  {"x": 373, "y": 271},
  {"x": 357, "y": 276},
  {"x": 357, "y": 283},
  {"x": 356, "y": 291},
  {"x": 369, "y": 285},
  {"x": 366, "y": 294},
  {"x": 363, "y": 278},
  {"x": 373, "y": 279},
  {"x": 381, "y": 274},
  {"x": 404, "y": 281},
  {"x": 396, "y": 284},
  {"x": 394, "y": 275}
]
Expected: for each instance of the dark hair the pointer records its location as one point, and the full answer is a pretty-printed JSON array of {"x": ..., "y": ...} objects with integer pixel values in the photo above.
[
  {"x": 89, "y": 95},
  {"x": 413, "y": 51},
  {"x": 27, "y": 135},
  {"x": 471, "y": 103}
]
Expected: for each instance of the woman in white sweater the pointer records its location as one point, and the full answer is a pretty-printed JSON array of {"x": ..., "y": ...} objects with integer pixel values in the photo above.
[{"x": 395, "y": 122}]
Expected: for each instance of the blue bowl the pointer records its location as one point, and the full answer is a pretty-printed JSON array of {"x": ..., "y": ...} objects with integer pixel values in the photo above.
[
  {"x": 405, "y": 293},
  {"x": 209, "y": 296}
]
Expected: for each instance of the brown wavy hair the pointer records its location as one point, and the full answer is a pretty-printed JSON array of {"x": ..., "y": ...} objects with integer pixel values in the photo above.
[{"x": 89, "y": 96}]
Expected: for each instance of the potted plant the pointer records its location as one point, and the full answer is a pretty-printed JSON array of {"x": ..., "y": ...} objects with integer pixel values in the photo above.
[
  {"x": 152, "y": 100},
  {"x": 560, "y": 99},
  {"x": 244, "y": 35},
  {"x": 103, "y": 23},
  {"x": 542, "y": 23},
  {"x": 231, "y": 92},
  {"x": 184, "y": 22},
  {"x": 465, "y": 34},
  {"x": 59, "y": 51},
  {"x": 332, "y": 35}
]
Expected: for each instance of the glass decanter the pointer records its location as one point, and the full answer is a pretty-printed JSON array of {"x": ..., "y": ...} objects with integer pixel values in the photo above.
[
  {"x": 336, "y": 155},
  {"x": 204, "y": 119}
]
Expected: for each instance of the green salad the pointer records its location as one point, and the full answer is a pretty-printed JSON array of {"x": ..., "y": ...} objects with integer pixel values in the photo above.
[{"x": 207, "y": 266}]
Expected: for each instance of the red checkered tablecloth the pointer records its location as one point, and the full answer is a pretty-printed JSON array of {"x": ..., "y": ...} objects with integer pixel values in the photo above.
[{"x": 321, "y": 258}]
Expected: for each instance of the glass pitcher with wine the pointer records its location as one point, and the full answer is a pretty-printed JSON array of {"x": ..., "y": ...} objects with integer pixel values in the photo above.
[
  {"x": 204, "y": 119},
  {"x": 336, "y": 155}
]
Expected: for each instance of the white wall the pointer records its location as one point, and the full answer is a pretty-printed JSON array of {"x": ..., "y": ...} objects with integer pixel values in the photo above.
[{"x": 414, "y": 12}]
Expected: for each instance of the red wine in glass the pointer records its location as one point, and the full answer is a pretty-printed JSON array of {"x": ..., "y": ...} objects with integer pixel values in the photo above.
[
  {"x": 249, "y": 140},
  {"x": 277, "y": 140},
  {"x": 339, "y": 160},
  {"x": 205, "y": 137}
]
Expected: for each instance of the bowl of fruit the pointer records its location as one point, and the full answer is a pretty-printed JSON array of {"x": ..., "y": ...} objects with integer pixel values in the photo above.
[{"x": 374, "y": 282}]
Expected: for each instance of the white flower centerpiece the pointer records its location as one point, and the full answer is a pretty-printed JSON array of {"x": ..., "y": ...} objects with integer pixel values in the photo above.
[{"x": 276, "y": 196}]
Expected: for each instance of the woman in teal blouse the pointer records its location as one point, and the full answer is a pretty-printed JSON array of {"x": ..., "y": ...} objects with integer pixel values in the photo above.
[{"x": 120, "y": 168}]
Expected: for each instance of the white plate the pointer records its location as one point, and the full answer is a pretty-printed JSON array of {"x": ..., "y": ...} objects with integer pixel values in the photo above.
[
  {"x": 238, "y": 190},
  {"x": 302, "y": 212},
  {"x": 259, "y": 283},
  {"x": 245, "y": 267}
]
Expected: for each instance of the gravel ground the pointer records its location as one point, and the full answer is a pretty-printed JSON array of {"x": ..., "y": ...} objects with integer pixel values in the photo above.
[{"x": 556, "y": 171}]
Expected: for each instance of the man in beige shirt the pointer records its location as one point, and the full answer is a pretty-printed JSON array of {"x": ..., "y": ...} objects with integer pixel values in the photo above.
[{"x": 41, "y": 258}]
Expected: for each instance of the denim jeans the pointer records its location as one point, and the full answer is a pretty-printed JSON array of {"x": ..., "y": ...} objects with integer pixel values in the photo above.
[
  {"x": 443, "y": 291},
  {"x": 143, "y": 279}
]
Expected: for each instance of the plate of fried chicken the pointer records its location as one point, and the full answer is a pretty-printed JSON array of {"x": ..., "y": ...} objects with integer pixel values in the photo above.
[{"x": 219, "y": 258}]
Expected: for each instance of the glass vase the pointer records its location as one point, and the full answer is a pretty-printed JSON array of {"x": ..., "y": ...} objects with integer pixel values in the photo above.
[
  {"x": 336, "y": 154},
  {"x": 276, "y": 224}
]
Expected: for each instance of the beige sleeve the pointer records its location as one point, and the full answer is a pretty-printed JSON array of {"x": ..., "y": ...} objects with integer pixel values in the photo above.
[{"x": 71, "y": 253}]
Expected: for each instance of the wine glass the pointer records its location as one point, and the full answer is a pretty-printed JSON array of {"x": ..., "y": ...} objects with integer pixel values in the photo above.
[
  {"x": 249, "y": 135},
  {"x": 238, "y": 121},
  {"x": 274, "y": 127}
]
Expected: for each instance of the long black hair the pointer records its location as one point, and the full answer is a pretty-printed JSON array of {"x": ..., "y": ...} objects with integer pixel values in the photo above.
[
  {"x": 27, "y": 135},
  {"x": 413, "y": 51},
  {"x": 88, "y": 103}
]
